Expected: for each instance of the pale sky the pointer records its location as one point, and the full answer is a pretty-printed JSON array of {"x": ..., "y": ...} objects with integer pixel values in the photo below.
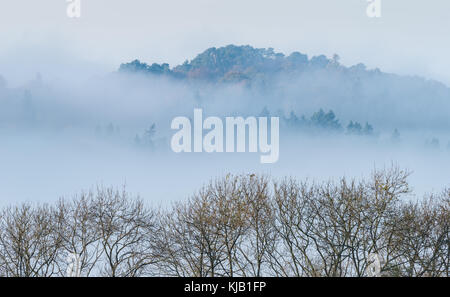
[{"x": 411, "y": 37}]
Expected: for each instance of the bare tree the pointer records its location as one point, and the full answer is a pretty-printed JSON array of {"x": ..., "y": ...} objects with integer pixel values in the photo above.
[
  {"x": 126, "y": 230},
  {"x": 259, "y": 239},
  {"x": 29, "y": 242},
  {"x": 79, "y": 233},
  {"x": 422, "y": 238},
  {"x": 330, "y": 229},
  {"x": 194, "y": 246},
  {"x": 239, "y": 225}
]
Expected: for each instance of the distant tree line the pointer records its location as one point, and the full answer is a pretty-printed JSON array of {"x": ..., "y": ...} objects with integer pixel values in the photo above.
[
  {"x": 239, "y": 225},
  {"x": 327, "y": 121}
]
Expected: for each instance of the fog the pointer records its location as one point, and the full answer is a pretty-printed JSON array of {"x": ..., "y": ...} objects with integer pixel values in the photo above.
[
  {"x": 409, "y": 38},
  {"x": 61, "y": 136}
]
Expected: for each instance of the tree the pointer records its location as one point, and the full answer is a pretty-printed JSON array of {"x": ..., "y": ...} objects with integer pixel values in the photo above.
[
  {"x": 125, "y": 229},
  {"x": 354, "y": 128},
  {"x": 78, "y": 232},
  {"x": 29, "y": 242},
  {"x": 238, "y": 225},
  {"x": 395, "y": 137},
  {"x": 434, "y": 143},
  {"x": 368, "y": 129},
  {"x": 324, "y": 120}
]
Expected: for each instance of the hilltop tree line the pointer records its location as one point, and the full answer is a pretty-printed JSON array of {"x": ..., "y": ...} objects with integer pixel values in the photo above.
[
  {"x": 239, "y": 225},
  {"x": 241, "y": 64}
]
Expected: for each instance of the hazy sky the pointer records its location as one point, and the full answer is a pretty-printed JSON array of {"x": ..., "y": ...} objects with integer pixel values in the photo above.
[{"x": 411, "y": 37}]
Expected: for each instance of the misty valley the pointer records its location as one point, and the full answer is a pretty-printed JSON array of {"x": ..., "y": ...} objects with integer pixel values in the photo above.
[
  {"x": 349, "y": 161},
  {"x": 115, "y": 129},
  {"x": 218, "y": 148}
]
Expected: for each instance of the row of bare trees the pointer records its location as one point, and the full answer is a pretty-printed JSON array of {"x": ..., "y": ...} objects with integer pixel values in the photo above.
[{"x": 245, "y": 225}]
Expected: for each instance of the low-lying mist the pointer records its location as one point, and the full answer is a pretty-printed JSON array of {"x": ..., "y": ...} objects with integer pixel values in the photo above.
[{"x": 60, "y": 137}]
